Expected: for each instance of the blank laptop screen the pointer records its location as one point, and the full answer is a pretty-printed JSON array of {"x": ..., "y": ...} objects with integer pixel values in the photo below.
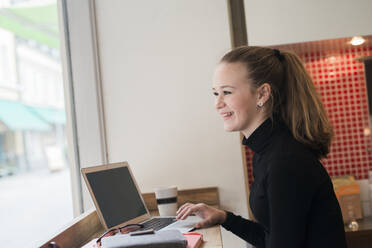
[{"x": 116, "y": 195}]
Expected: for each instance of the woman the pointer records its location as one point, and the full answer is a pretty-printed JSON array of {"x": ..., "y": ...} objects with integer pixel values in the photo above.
[{"x": 268, "y": 96}]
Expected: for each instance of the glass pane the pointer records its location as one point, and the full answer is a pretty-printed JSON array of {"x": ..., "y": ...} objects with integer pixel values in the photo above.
[{"x": 35, "y": 186}]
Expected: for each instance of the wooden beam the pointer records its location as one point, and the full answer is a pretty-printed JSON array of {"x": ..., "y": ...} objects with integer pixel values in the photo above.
[{"x": 238, "y": 28}]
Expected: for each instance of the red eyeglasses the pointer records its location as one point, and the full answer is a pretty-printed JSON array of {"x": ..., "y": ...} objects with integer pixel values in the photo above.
[{"x": 123, "y": 230}]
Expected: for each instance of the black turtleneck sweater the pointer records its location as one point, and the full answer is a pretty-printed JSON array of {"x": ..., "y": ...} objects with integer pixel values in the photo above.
[{"x": 292, "y": 196}]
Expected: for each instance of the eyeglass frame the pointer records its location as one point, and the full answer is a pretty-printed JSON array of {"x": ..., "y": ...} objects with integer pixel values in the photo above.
[{"x": 98, "y": 241}]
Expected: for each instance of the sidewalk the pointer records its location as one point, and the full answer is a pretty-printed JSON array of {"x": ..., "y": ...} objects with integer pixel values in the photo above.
[{"x": 34, "y": 206}]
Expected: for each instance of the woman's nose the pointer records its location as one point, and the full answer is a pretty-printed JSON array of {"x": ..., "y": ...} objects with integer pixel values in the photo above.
[{"x": 219, "y": 103}]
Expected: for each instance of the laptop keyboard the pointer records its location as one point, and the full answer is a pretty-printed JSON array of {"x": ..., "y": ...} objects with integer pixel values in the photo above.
[{"x": 158, "y": 223}]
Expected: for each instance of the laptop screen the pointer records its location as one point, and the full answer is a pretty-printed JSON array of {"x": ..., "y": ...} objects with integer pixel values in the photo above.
[{"x": 116, "y": 194}]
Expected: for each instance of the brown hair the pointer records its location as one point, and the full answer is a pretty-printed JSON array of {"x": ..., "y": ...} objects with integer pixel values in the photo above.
[{"x": 293, "y": 95}]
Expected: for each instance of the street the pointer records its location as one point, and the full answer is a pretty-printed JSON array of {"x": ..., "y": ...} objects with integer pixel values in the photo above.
[{"x": 33, "y": 207}]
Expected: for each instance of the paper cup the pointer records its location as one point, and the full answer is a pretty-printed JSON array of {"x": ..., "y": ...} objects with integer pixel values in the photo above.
[{"x": 166, "y": 199}]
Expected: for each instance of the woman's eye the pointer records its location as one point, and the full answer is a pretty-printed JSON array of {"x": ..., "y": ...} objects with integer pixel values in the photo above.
[
  {"x": 215, "y": 93},
  {"x": 227, "y": 92}
]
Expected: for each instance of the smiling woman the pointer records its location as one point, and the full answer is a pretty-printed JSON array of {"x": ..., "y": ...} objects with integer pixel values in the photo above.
[{"x": 268, "y": 96}]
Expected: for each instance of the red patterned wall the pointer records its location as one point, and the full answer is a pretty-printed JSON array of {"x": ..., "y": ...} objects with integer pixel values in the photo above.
[{"x": 340, "y": 81}]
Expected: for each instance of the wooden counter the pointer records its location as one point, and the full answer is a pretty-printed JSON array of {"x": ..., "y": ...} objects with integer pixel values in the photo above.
[
  {"x": 362, "y": 238},
  {"x": 211, "y": 237}
]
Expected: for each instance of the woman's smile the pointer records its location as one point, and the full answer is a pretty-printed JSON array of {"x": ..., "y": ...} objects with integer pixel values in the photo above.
[{"x": 226, "y": 115}]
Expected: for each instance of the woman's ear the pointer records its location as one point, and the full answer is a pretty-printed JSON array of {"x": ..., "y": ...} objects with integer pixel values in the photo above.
[{"x": 264, "y": 92}]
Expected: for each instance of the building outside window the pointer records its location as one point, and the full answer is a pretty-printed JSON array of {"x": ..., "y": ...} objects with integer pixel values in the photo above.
[{"x": 35, "y": 186}]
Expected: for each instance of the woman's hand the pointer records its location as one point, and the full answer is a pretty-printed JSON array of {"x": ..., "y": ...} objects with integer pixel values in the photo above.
[{"x": 210, "y": 215}]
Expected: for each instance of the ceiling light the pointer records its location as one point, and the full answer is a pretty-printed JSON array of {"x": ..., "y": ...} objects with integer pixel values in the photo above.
[{"x": 357, "y": 40}]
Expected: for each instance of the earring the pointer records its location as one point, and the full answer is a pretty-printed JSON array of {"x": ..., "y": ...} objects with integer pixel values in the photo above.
[{"x": 259, "y": 104}]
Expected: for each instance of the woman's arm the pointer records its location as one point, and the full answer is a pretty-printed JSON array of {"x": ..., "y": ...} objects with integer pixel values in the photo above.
[{"x": 250, "y": 231}]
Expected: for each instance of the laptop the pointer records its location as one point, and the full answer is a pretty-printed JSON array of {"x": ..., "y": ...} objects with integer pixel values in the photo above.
[{"x": 119, "y": 202}]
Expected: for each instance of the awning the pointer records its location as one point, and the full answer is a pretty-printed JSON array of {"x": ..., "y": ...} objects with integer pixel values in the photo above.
[
  {"x": 52, "y": 116},
  {"x": 17, "y": 116}
]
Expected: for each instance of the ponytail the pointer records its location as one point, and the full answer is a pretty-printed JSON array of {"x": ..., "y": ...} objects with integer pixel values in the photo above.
[
  {"x": 303, "y": 112},
  {"x": 293, "y": 95}
]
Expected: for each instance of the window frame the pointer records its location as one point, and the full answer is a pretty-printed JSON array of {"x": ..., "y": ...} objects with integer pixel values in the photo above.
[{"x": 85, "y": 125}]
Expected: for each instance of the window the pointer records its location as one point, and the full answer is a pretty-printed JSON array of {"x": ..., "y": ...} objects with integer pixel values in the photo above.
[{"x": 35, "y": 184}]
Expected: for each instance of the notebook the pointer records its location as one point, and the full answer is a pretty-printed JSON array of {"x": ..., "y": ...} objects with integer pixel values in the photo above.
[
  {"x": 119, "y": 202},
  {"x": 159, "y": 239}
]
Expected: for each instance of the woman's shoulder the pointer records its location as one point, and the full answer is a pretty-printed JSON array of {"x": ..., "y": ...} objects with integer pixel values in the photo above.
[
  {"x": 285, "y": 147},
  {"x": 296, "y": 173},
  {"x": 293, "y": 158}
]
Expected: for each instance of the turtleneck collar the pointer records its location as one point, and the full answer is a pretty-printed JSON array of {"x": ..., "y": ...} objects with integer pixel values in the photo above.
[{"x": 261, "y": 137}]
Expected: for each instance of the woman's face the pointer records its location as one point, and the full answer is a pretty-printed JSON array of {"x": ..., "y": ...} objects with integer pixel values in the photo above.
[{"x": 236, "y": 98}]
